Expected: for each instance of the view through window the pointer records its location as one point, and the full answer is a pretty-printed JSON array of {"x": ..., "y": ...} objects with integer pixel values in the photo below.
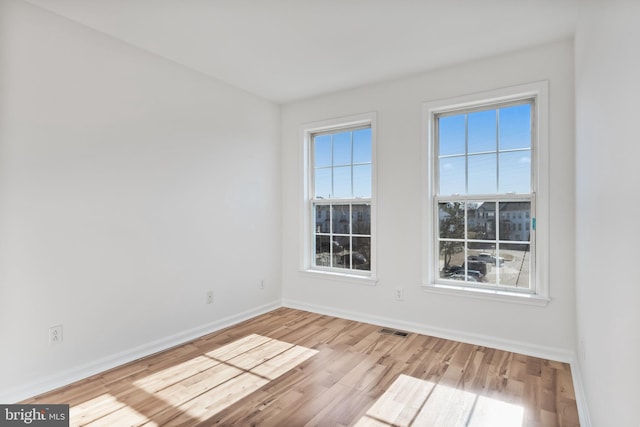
[
  {"x": 485, "y": 218},
  {"x": 341, "y": 199}
]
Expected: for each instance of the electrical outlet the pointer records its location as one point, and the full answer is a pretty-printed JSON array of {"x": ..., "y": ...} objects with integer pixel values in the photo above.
[
  {"x": 399, "y": 294},
  {"x": 262, "y": 284},
  {"x": 55, "y": 334},
  {"x": 210, "y": 297}
]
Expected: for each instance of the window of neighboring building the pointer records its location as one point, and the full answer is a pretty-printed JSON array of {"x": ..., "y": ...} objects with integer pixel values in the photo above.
[
  {"x": 484, "y": 180},
  {"x": 340, "y": 197}
]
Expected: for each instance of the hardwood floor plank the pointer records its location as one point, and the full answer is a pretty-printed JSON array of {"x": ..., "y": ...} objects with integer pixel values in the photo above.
[
  {"x": 295, "y": 368},
  {"x": 400, "y": 404}
]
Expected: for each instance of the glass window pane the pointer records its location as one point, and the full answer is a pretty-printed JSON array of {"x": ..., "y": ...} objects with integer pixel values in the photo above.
[
  {"x": 451, "y": 135},
  {"x": 515, "y": 221},
  {"x": 341, "y": 252},
  {"x": 482, "y": 131},
  {"x": 477, "y": 268},
  {"x": 452, "y": 176},
  {"x": 482, "y": 221},
  {"x": 476, "y": 221},
  {"x": 322, "y": 181},
  {"x": 513, "y": 265},
  {"x": 342, "y": 148},
  {"x": 361, "y": 219},
  {"x": 515, "y": 127},
  {"x": 482, "y": 174},
  {"x": 485, "y": 222},
  {"x": 323, "y": 248},
  {"x": 342, "y": 181},
  {"x": 451, "y": 216},
  {"x": 451, "y": 259},
  {"x": 362, "y": 146},
  {"x": 322, "y": 150},
  {"x": 340, "y": 219},
  {"x": 323, "y": 218},
  {"x": 515, "y": 172},
  {"x": 361, "y": 253},
  {"x": 362, "y": 181}
]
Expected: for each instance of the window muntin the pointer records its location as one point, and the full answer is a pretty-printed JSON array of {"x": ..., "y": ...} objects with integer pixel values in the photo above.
[
  {"x": 484, "y": 196},
  {"x": 340, "y": 205}
]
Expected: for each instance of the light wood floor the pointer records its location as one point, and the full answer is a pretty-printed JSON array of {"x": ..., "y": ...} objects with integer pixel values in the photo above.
[{"x": 294, "y": 368}]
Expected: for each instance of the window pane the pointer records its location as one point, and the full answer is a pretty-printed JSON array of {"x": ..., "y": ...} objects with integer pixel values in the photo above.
[
  {"x": 361, "y": 253},
  {"x": 341, "y": 219},
  {"x": 323, "y": 218},
  {"x": 482, "y": 131},
  {"x": 341, "y": 252},
  {"x": 322, "y": 181},
  {"x": 476, "y": 221},
  {"x": 486, "y": 221},
  {"x": 451, "y": 258},
  {"x": 515, "y": 221},
  {"x": 452, "y": 175},
  {"x": 451, "y": 135},
  {"x": 323, "y": 247},
  {"x": 322, "y": 150},
  {"x": 515, "y": 172},
  {"x": 342, "y": 148},
  {"x": 362, "y": 146},
  {"x": 477, "y": 267},
  {"x": 451, "y": 215},
  {"x": 513, "y": 265},
  {"x": 342, "y": 181},
  {"x": 362, "y": 181},
  {"x": 361, "y": 219},
  {"x": 515, "y": 127},
  {"x": 482, "y": 174}
]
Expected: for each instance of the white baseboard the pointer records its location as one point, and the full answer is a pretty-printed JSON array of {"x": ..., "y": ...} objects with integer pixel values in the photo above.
[
  {"x": 581, "y": 397},
  {"x": 69, "y": 376},
  {"x": 543, "y": 352}
]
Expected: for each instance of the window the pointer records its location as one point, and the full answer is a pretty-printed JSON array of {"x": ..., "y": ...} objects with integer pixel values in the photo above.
[
  {"x": 482, "y": 202},
  {"x": 340, "y": 197}
]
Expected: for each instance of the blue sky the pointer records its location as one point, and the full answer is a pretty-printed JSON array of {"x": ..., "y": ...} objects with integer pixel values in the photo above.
[
  {"x": 343, "y": 164},
  {"x": 490, "y": 159}
]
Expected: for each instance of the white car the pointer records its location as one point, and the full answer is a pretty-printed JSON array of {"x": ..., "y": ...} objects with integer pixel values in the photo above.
[{"x": 490, "y": 258}]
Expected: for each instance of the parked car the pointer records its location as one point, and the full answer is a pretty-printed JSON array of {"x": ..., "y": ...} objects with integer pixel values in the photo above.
[
  {"x": 476, "y": 265},
  {"x": 356, "y": 258},
  {"x": 460, "y": 270},
  {"x": 490, "y": 259},
  {"x": 463, "y": 277}
]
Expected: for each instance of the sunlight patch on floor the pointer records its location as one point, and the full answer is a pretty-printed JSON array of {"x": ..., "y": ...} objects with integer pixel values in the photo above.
[
  {"x": 198, "y": 388},
  {"x": 414, "y": 402}
]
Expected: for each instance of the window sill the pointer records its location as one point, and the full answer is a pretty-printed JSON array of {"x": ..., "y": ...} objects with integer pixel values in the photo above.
[
  {"x": 340, "y": 277},
  {"x": 488, "y": 294}
]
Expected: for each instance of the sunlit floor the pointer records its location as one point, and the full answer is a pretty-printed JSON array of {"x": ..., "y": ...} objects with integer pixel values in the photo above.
[
  {"x": 198, "y": 388},
  {"x": 414, "y": 402},
  {"x": 294, "y": 368}
]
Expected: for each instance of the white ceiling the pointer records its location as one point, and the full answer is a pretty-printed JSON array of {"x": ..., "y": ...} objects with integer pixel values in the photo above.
[{"x": 285, "y": 50}]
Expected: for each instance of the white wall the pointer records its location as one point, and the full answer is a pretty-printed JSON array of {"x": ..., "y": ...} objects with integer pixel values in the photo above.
[
  {"x": 607, "y": 204},
  {"x": 129, "y": 186},
  {"x": 541, "y": 330}
]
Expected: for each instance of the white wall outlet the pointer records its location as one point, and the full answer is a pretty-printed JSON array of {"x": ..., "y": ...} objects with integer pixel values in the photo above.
[
  {"x": 55, "y": 334},
  {"x": 262, "y": 284},
  {"x": 399, "y": 294},
  {"x": 209, "y": 297}
]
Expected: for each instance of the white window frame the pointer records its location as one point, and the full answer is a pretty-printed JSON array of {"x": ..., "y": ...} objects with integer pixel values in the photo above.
[
  {"x": 539, "y": 294},
  {"x": 307, "y": 216}
]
